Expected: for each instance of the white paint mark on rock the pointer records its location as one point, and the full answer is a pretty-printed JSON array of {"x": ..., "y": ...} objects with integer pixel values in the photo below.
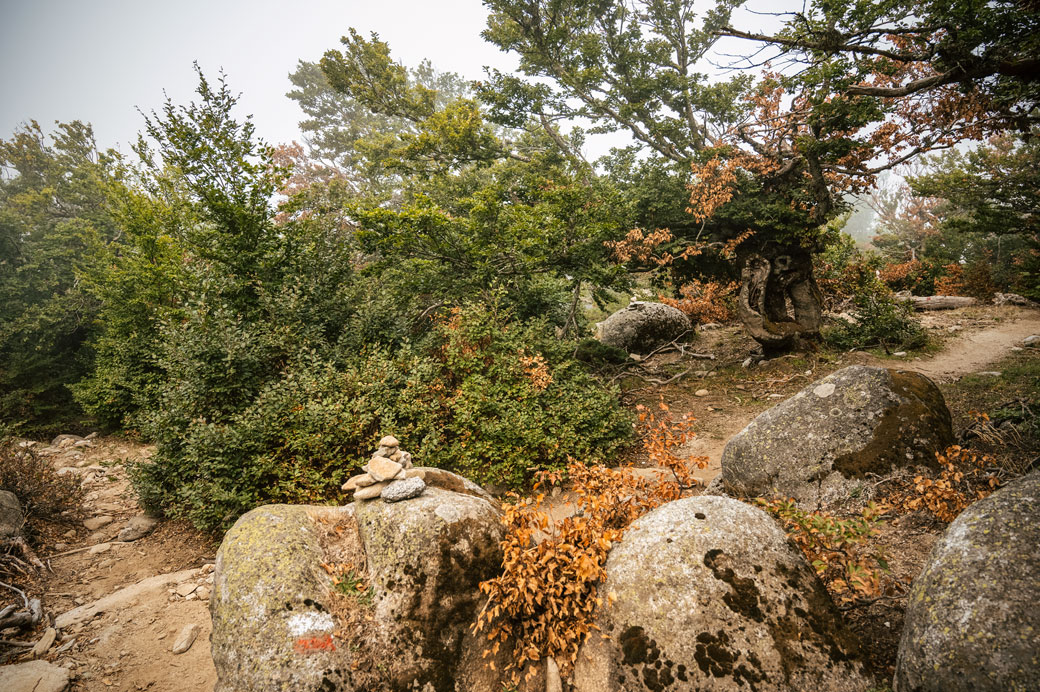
[{"x": 301, "y": 623}]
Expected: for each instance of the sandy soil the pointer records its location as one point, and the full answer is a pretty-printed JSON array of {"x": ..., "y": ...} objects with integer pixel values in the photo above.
[{"x": 128, "y": 647}]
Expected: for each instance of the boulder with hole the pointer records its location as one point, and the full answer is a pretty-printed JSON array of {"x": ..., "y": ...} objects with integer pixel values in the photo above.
[{"x": 706, "y": 593}]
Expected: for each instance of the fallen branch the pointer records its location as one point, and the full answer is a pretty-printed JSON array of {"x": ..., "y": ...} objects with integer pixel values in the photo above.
[
  {"x": 938, "y": 302},
  {"x": 679, "y": 347},
  {"x": 80, "y": 550},
  {"x": 30, "y": 617},
  {"x": 18, "y": 543}
]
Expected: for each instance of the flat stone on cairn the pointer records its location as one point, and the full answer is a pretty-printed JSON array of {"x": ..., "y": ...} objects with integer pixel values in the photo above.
[
  {"x": 382, "y": 469},
  {"x": 370, "y": 492},
  {"x": 403, "y": 490}
]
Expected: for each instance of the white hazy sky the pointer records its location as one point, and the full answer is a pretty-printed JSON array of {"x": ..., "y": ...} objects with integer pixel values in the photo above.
[{"x": 99, "y": 60}]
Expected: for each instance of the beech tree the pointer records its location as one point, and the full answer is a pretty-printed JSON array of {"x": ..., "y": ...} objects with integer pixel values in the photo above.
[
  {"x": 53, "y": 214},
  {"x": 483, "y": 207},
  {"x": 991, "y": 47},
  {"x": 773, "y": 155}
]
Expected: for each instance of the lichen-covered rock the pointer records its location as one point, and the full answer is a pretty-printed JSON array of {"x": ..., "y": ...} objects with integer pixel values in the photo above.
[
  {"x": 275, "y": 611},
  {"x": 404, "y": 489},
  {"x": 11, "y": 519},
  {"x": 707, "y": 593},
  {"x": 644, "y": 326},
  {"x": 818, "y": 445},
  {"x": 426, "y": 558},
  {"x": 972, "y": 621},
  {"x": 272, "y": 629}
]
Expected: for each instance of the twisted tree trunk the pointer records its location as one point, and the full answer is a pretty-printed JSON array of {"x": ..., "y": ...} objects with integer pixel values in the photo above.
[{"x": 779, "y": 300}]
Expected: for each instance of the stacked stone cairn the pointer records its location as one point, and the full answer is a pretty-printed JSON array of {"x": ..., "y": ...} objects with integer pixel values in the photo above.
[{"x": 388, "y": 474}]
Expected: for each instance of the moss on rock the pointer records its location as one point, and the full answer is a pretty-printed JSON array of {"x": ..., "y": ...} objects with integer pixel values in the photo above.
[
  {"x": 819, "y": 444},
  {"x": 972, "y": 621}
]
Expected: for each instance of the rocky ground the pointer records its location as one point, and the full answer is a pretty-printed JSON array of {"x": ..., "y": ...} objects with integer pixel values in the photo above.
[
  {"x": 125, "y": 605},
  {"x": 122, "y": 605}
]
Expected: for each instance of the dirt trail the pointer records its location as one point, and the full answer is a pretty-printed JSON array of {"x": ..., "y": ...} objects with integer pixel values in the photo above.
[
  {"x": 967, "y": 352},
  {"x": 147, "y": 590},
  {"x": 974, "y": 351}
]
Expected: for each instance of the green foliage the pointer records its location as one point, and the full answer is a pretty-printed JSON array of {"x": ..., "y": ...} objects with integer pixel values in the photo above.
[
  {"x": 987, "y": 207},
  {"x": 53, "y": 214},
  {"x": 596, "y": 353},
  {"x": 514, "y": 402},
  {"x": 878, "y": 320},
  {"x": 443, "y": 134},
  {"x": 138, "y": 282},
  {"x": 348, "y": 141},
  {"x": 351, "y": 585},
  {"x": 278, "y": 365},
  {"x": 976, "y": 45},
  {"x": 483, "y": 395},
  {"x": 841, "y": 551}
]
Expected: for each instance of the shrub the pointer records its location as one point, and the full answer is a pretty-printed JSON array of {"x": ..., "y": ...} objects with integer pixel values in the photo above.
[
  {"x": 962, "y": 480},
  {"x": 42, "y": 492},
  {"x": 488, "y": 397},
  {"x": 841, "y": 269},
  {"x": 971, "y": 279},
  {"x": 878, "y": 320},
  {"x": 840, "y": 550},
  {"x": 545, "y": 598},
  {"x": 704, "y": 302}
]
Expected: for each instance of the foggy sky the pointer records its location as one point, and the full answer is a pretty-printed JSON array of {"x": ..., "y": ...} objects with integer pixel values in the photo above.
[{"x": 96, "y": 60}]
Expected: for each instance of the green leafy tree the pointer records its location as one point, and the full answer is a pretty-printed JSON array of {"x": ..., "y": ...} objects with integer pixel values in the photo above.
[
  {"x": 53, "y": 215},
  {"x": 483, "y": 208},
  {"x": 987, "y": 201},
  {"x": 984, "y": 48},
  {"x": 345, "y": 138},
  {"x": 295, "y": 340},
  {"x": 776, "y": 155}
]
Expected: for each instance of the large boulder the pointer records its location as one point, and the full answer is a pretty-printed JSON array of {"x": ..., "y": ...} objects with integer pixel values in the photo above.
[
  {"x": 279, "y": 624},
  {"x": 972, "y": 621},
  {"x": 426, "y": 558},
  {"x": 643, "y": 327},
  {"x": 707, "y": 593},
  {"x": 817, "y": 446},
  {"x": 272, "y": 629}
]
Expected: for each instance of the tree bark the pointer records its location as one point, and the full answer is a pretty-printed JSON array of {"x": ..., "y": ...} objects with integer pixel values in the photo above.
[{"x": 779, "y": 301}]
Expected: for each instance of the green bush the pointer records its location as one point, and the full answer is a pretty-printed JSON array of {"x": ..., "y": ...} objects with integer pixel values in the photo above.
[
  {"x": 878, "y": 320},
  {"x": 482, "y": 395}
]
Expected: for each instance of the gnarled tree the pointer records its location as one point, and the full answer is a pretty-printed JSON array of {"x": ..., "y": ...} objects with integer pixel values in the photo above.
[{"x": 773, "y": 154}]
